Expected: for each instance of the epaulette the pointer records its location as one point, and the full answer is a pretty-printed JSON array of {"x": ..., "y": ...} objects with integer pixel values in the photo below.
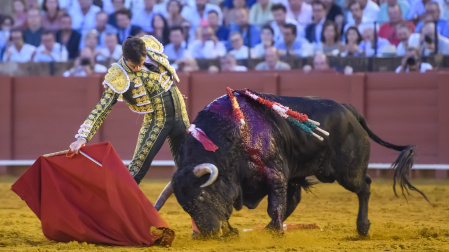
[
  {"x": 155, "y": 50},
  {"x": 117, "y": 79}
]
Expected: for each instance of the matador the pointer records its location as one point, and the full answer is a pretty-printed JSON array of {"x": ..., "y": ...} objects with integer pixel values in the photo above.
[{"x": 144, "y": 79}]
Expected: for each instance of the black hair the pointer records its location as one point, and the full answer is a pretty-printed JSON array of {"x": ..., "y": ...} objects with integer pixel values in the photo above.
[
  {"x": 292, "y": 27},
  {"x": 134, "y": 49},
  {"x": 176, "y": 28},
  {"x": 268, "y": 27},
  {"x": 318, "y": 3},
  {"x": 359, "y": 37},
  {"x": 165, "y": 31},
  {"x": 124, "y": 12},
  {"x": 16, "y": 30},
  {"x": 44, "y": 6},
  {"x": 276, "y": 7},
  {"x": 334, "y": 25},
  {"x": 8, "y": 17}
]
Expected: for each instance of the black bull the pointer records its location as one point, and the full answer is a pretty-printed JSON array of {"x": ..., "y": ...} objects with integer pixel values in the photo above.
[{"x": 208, "y": 185}]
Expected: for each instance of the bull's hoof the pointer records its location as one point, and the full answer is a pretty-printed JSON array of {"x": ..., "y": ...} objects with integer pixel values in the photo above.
[
  {"x": 363, "y": 228},
  {"x": 276, "y": 232},
  {"x": 232, "y": 234}
]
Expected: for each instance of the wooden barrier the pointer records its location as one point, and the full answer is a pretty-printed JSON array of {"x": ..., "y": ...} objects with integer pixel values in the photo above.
[{"x": 42, "y": 114}]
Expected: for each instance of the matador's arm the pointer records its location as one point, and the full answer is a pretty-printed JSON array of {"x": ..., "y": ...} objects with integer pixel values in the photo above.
[{"x": 98, "y": 114}]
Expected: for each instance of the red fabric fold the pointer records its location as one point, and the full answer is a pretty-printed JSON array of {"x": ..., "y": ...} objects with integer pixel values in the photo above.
[
  {"x": 199, "y": 135},
  {"x": 77, "y": 200}
]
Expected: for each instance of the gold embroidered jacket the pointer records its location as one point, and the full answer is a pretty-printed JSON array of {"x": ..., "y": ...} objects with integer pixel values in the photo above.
[{"x": 136, "y": 88}]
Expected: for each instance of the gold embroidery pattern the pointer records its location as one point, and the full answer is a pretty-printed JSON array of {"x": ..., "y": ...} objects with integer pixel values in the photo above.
[
  {"x": 185, "y": 116},
  {"x": 100, "y": 112},
  {"x": 117, "y": 79},
  {"x": 152, "y": 44},
  {"x": 152, "y": 126},
  {"x": 164, "y": 62},
  {"x": 138, "y": 92}
]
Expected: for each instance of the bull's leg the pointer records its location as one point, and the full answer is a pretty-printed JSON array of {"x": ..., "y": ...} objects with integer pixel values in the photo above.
[
  {"x": 293, "y": 199},
  {"x": 277, "y": 199},
  {"x": 363, "y": 192},
  {"x": 363, "y": 223}
]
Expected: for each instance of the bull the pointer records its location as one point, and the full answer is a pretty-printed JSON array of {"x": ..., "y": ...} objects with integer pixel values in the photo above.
[{"x": 209, "y": 185}]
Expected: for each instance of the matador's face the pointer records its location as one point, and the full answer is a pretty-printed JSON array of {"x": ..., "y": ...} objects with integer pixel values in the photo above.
[{"x": 135, "y": 67}]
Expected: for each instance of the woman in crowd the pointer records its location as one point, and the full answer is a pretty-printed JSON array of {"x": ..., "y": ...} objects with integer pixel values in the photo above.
[
  {"x": 330, "y": 39},
  {"x": 51, "y": 15},
  {"x": 174, "y": 17},
  {"x": 161, "y": 30},
  {"x": 267, "y": 38},
  {"x": 19, "y": 14},
  {"x": 353, "y": 39},
  {"x": 6, "y": 25}
]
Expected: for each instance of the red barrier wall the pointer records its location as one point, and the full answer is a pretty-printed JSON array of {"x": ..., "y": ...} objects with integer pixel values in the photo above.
[{"x": 42, "y": 114}]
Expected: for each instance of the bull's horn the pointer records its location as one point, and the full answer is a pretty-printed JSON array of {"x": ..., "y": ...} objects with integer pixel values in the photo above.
[
  {"x": 202, "y": 169},
  {"x": 168, "y": 190}
]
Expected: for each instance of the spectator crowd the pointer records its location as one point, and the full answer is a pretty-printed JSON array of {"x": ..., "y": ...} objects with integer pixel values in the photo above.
[{"x": 89, "y": 31}]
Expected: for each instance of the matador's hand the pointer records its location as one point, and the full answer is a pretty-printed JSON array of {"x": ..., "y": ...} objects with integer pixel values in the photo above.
[{"x": 75, "y": 146}]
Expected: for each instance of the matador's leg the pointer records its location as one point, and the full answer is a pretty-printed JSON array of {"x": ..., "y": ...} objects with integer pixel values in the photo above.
[{"x": 152, "y": 136}]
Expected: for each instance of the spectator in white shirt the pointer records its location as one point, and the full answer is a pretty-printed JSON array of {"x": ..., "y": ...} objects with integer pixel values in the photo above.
[
  {"x": 267, "y": 40},
  {"x": 411, "y": 62},
  {"x": 50, "y": 50},
  {"x": 112, "y": 50},
  {"x": 209, "y": 47},
  {"x": 176, "y": 49},
  {"x": 300, "y": 11},
  {"x": 228, "y": 63},
  {"x": 370, "y": 11},
  {"x": 404, "y": 31},
  {"x": 199, "y": 11},
  {"x": 85, "y": 65},
  {"x": 425, "y": 41},
  {"x": 280, "y": 19},
  {"x": 358, "y": 19},
  {"x": 144, "y": 17},
  {"x": 18, "y": 51},
  {"x": 102, "y": 28},
  {"x": 367, "y": 45},
  {"x": 239, "y": 50},
  {"x": 83, "y": 18}
]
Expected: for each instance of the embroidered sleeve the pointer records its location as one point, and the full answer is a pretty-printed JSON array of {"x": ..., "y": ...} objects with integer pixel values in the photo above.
[{"x": 98, "y": 114}]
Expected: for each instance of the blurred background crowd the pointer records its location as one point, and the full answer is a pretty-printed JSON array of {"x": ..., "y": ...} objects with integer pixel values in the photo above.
[{"x": 89, "y": 32}]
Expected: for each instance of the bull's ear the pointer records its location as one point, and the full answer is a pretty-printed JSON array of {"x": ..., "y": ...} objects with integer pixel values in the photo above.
[{"x": 238, "y": 202}]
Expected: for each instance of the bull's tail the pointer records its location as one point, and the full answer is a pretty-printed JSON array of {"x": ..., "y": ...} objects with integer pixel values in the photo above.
[{"x": 403, "y": 163}]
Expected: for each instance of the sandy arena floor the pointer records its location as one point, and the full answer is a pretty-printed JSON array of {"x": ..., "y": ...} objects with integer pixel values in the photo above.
[{"x": 395, "y": 224}]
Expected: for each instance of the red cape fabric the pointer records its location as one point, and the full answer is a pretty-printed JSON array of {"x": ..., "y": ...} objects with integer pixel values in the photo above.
[{"x": 77, "y": 200}]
